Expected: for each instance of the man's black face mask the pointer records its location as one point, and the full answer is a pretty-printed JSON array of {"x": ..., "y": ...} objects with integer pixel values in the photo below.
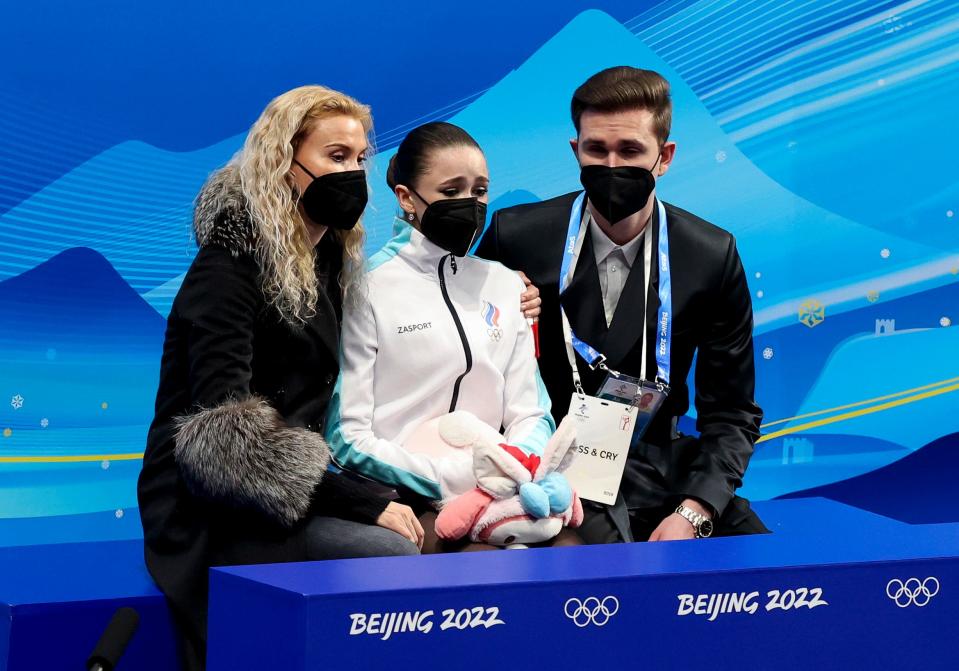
[{"x": 616, "y": 193}]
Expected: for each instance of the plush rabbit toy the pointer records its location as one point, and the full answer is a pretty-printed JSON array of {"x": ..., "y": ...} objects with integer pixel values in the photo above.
[{"x": 518, "y": 498}]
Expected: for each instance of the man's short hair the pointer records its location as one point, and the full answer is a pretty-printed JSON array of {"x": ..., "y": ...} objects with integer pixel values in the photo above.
[{"x": 626, "y": 88}]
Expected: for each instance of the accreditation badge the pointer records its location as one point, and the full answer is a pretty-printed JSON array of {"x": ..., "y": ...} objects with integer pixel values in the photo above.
[
  {"x": 603, "y": 432},
  {"x": 646, "y": 397}
]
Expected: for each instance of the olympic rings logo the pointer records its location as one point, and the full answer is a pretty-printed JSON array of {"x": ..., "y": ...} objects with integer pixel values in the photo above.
[
  {"x": 912, "y": 592},
  {"x": 591, "y": 610}
]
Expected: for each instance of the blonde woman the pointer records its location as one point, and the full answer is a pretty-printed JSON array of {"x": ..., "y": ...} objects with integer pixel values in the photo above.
[{"x": 235, "y": 470}]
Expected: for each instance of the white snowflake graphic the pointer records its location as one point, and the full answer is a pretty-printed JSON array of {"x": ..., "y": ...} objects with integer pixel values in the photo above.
[
  {"x": 44, "y": 422},
  {"x": 17, "y": 402},
  {"x": 720, "y": 156},
  {"x": 760, "y": 293},
  {"x": 945, "y": 321},
  {"x": 119, "y": 513},
  {"x": 105, "y": 464},
  {"x": 768, "y": 353},
  {"x": 885, "y": 253}
]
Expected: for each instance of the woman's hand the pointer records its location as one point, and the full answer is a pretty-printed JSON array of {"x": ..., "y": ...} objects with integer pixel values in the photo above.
[
  {"x": 530, "y": 301},
  {"x": 400, "y": 518}
]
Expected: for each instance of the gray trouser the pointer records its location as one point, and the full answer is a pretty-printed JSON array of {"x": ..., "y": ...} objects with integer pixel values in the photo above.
[{"x": 333, "y": 538}]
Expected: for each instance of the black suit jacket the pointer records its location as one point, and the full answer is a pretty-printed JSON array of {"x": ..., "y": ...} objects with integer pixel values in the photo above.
[{"x": 712, "y": 316}]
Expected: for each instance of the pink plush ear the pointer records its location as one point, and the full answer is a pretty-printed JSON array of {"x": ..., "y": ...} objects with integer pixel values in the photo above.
[
  {"x": 576, "y": 516},
  {"x": 458, "y": 517},
  {"x": 560, "y": 449}
]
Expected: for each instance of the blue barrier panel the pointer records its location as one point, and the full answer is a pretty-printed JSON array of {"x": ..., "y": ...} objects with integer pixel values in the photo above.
[
  {"x": 833, "y": 587},
  {"x": 55, "y": 601}
]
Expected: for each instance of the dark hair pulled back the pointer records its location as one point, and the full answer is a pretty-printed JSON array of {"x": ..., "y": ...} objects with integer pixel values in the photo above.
[{"x": 411, "y": 159}]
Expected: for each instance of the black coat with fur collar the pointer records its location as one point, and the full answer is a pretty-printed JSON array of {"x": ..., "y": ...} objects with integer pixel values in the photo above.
[{"x": 235, "y": 463}]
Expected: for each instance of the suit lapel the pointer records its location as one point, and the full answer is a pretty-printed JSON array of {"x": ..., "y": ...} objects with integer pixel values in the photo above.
[{"x": 583, "y": 299}]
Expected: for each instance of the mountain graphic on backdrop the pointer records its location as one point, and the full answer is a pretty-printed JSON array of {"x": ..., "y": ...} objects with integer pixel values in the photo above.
[
  {"x": 76, "y": 300},
  {"x": 133, "y": 203},
  {"x": 523, "y": 125},
  {"x": 78, "y": 344},
  {"x": 918, "y": 489},
  {"x": 511, "y": 198},
  {"x": 799, "y": 354}
]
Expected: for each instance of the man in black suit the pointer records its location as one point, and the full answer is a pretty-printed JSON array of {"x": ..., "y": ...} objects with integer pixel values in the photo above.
[{"x": 674, "y": 486}]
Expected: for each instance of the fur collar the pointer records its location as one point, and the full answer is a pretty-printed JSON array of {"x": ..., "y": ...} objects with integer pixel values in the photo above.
[{"x": 220, "y": 215}]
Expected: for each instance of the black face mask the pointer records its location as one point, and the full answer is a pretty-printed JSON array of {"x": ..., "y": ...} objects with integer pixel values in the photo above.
[
  {"x": 453, "y": 223},
  {"x": 619, "y": 192},
  {"x": 336, "y": 199}
]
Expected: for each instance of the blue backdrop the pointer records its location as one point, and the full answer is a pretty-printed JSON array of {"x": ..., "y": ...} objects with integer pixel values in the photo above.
[{"x": 820, "y": 133}]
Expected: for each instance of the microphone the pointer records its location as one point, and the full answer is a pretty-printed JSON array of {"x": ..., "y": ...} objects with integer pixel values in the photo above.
[{"x": 114, "y": 640}]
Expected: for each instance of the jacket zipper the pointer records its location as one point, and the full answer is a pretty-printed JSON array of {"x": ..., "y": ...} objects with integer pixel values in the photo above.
[{"x": 459, "y": 328}]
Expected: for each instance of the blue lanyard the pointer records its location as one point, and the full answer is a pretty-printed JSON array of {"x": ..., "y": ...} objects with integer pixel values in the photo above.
[{"x": 664, "y": 326}]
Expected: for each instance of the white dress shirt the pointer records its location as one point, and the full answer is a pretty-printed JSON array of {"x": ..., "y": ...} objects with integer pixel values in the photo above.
[{"x": 613, "y": 262}]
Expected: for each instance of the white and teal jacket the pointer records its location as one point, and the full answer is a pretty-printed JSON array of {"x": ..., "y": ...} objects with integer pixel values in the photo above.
[{"x": 428, "y": 335}]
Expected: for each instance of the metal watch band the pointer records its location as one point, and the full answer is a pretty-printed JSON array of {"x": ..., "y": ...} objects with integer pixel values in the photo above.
[{"x": 694, "y": 518}]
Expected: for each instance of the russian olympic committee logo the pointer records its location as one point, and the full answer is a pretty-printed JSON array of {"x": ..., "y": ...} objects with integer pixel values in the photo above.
[
  {"x": 912, "y": 592},
  {"x": 491, "y": 317},
  {"x": 591, "y": 610}
]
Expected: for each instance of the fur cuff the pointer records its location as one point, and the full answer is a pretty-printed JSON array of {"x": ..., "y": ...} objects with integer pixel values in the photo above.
[{"x": 242, "y": 453}]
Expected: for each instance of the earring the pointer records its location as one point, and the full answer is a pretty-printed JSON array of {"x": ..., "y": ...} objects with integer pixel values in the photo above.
[{"x": 411, "y": 216}]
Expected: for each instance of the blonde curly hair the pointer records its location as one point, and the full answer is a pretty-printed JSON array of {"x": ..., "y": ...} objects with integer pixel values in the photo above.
[{"x": 283, "y": 247}]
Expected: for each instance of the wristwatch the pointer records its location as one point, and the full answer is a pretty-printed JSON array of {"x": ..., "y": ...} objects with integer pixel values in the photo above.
[{"x": 701, "y": 524}]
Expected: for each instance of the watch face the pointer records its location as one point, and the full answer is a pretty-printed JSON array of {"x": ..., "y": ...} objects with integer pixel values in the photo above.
[{"x": 706, "y": 529}]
